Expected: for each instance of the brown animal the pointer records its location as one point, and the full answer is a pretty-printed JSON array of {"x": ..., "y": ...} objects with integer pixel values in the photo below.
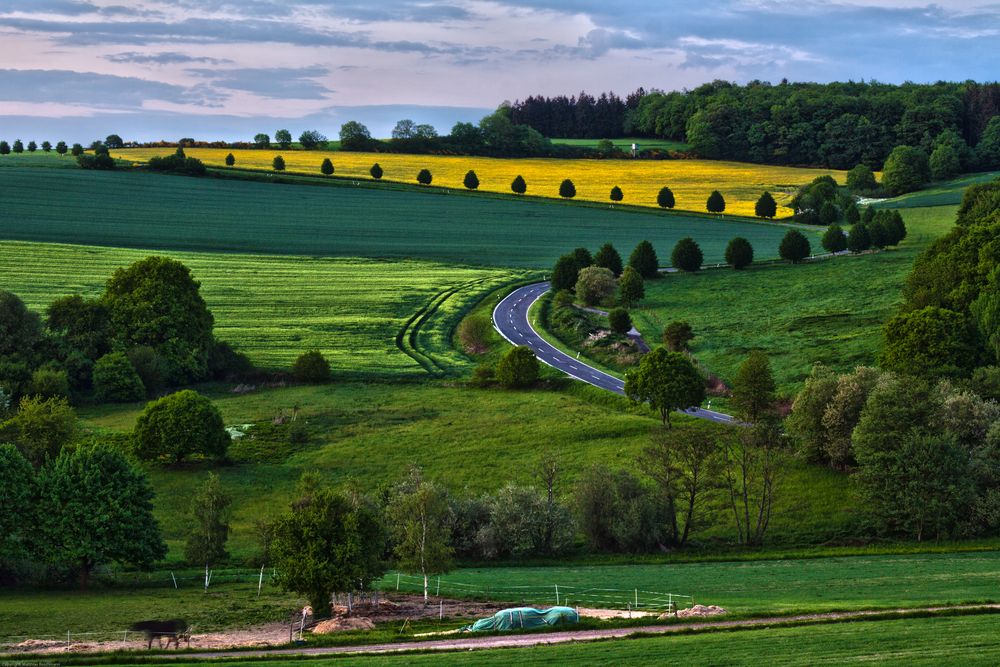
[{"x": 174, "y": 630}]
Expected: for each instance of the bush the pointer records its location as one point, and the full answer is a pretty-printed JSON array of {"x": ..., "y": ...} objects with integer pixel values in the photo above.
[
  {"x": 716, "y": 202},
  {"x": 425, "y": 177},
  {"x": 518, "y": 186},
  {"x": 620, "y": 321},
  {"x": 520, "y": 523},
  {"x": 906, "y": 169},
  {"x": 794, "y": 247},
  {"x": 616, "y": 513},
  {"x": 475, "y": 333},
  {"x": 483, "y": 375},
  {"x": 471, "y": 181},
  {"x": 567, "y": 190},
  {"x": 116, "y": 380},
  {"x": 327, "y": 167},
  {"x": 101, "y": 162},
  {"x": 739, "y": 253},
  {"x": 766, "y": 207},
  {"x": 834, "y": 239},
  {"x": 311, "y": 367},
  {"x": 687, "y": 255},
  {"x": 230, "y": 160},
  {"x": 595, "y": 285},
  {"x": 49, "y": 382},
  {"x": 518, "y": 368},
  {"x": 278, "y": 163},
  {"x": 861, "y": 179},
  {"x": 616, "y": 194},
  {"x": 376, "y": 171},
  {"x": 177, "y": 164},
  {"x": 178, "y": 426}
]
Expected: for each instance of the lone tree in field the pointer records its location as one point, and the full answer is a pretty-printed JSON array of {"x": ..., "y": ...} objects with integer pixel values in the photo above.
[
  {"x": 739, "y": 253},
  {"x": 113, "y": 141},
  {"x": 794, "y": 247},
  {"x": 643, "y": 259},
  {"x": 311, "y": 367},
  {"x": 471, "y": 181},
  {"x": 518, "y": 368},
  {"x": 209, "y": 522},
  {"x": 47, "y": 146},
  {"x": 61, "y": 148},
  {"x": 687, "y": 255},
  {"x": 620, "y": 321},
  {"x": 179, "y": 425},
  {"x": 18, "y": 146},
  {"x": 284, "y": 138},
  {"x": 4, "y": 148},
  {"x": 630, "y": 287},
  {"x": 665, "y": 198},
  {"x": 376, "y": 171},
  {"x": 677, "y": 335},
  {"x": 32, "y": 147},
  {"x": 230, "y": 160},
  {"x": 278, "y": 163},
  {"x": 565, "y": 273},
  {"x": 425, "y": 177},
  {"x": 567, "y": 190},
  {"x": 262, "y": 140},
  {"x": 834, "y": 240},
  {"x": 607, "y": 257},
  {"x": 616, "y": 194},
  {"x": 766, "y": 207},
  {"x": 518, "y": 186},
  {"x": 329, "y": 543},
  {"x": 859, "y": 239},
  {"x": 420, "y": 520},
  {"x": 753, "y": 390},
  {"x": 716, "y": 202},
  {"x": 327, "y": 167},
  {"x": 95, "y": 508},
  {"x": 668, "y": 381}
]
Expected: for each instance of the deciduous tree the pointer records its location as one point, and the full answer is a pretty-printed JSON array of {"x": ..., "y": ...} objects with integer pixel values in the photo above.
[
  {"x": 595, "y": 285},
  {"x": 668, "y": 381},
  {"x": 209, "y": 517},
  {"x": 716, "y": 203},
  {"x": 567, "y": 190},
  {"x": 471, "y": 181},
  {"x": 518, "y": 368},
  {"x": 643, "y": 259},
  {"x": 631, "y": 288},
  {"x": 665, "y": 198},
  {"x": 326, "y": 168},
  {"x": 794, "y": 246},
  {"x": 739, "y": 253},
  {"x": 178, "y": 426},
  {"x": 608, "y": 257},
  {"x": 687, "y": 255},
  {"x": 420, "y": 520},
  {"x": 766, "y": 207}
]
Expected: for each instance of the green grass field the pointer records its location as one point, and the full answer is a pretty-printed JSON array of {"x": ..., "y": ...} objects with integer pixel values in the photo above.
[
  {"x": 830, "y": 311},
  {"x": 224, "y": 216},
  {"x": 275, "y": 307},
  {"x": 946, "y": 193}
]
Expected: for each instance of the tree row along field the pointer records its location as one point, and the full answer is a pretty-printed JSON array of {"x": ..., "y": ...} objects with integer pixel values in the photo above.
[
  {"x": 830, "y": 311},
  {"x": 274, "y": 307},
  {"x": 640, "y": 180},
  {"x": 71, "y": 206}
]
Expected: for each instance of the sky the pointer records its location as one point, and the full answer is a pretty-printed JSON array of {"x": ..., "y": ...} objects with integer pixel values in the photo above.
[{"x": 227, "y": 69}]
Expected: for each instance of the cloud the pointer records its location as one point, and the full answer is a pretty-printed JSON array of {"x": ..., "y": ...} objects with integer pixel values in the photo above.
[
  {"x": 163, "y": 58},
  {"x": 274, "y": 83},
  {"x": 97, "y": 90}
]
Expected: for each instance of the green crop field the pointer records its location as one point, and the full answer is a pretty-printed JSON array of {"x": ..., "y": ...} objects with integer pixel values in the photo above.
[
  {"x": 626, "y": 143},
  {"x": 275, "y": 307},
  {"x": 938, "y": 194},
  {"x": 829, "y": 311},
  {"x": 218, "y": 215}
]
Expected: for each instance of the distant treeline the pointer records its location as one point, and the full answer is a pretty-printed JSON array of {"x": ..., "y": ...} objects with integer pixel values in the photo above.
[{"x": 835, "y": 125}]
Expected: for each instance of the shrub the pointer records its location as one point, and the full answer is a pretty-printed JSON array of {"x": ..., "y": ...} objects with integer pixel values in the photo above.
[
  {"x": 376, "y": 171},
  {"x": 595, "y": 285},
  {"x": 687, "y": 255},
  {"x": 520, "y": 522},
  {"x": 116, "y": 380},
  {"x": 739, "y": 253},
  {"x": 665, "y": 198},
  {"x": 616, "y": 513},
  {"x": 567, "y": 190},
  {"x": 471, "y": 181},
  {"x": 278, "y": 163},
  {"x": 716, "y": 202},
  {"x": 794, "y": 247},
  {"x": 311, "y": 367},
  {"x": 327, "y": 167},
  {"x": 178, "y": 164},
  {"x": 178, "y": 426},
  {"x": 518, "y": 186},
  {"x": 230, "y": 160},
  {"x": 474, "y": 333},
  {"x": 620, "y": 321},
  {"x": 906, "y": 169},
  {"x": 518, "y": 368},
  {"x": 102, "y": 162},
  {"x": 630, "y": 287},
  {"x": 616, "y": 194},
  {"x": 49, "y": 382},
  {"x": 483, "y": 375},
  {"x": 425, "y": 177},
  {"x": 861, "y": 179}
]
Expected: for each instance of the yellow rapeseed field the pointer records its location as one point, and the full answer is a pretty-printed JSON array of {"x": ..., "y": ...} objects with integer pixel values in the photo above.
[{"x": 640, "y": 180}]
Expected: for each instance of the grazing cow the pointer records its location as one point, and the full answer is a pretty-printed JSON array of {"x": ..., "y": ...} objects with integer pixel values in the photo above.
[{"x": 174, "y": 630}]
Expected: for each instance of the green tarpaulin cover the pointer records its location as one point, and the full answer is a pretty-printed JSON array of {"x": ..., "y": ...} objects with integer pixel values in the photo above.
[{"x": 525, "y": 617}]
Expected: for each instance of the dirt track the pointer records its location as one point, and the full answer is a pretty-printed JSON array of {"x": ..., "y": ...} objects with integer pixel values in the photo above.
[{"x": 466, "y": 642}]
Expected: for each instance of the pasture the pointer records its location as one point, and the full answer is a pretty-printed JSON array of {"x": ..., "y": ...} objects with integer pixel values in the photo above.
[
  {"x": 235, "y": 216},
  {"x": 625, "y": 144},
  {"x": 830, "y": 311},
  {"x": 640, "y": 180},
  {"x": 273, "y": 307}
]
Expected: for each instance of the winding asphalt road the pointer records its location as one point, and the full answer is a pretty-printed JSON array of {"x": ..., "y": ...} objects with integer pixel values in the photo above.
[{"x": 510, "y": 318}]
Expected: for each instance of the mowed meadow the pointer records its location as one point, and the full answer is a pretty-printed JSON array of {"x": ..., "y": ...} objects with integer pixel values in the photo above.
[
  {"x": 640, "y": 180},
  {"x": 274, "y": 307}
]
